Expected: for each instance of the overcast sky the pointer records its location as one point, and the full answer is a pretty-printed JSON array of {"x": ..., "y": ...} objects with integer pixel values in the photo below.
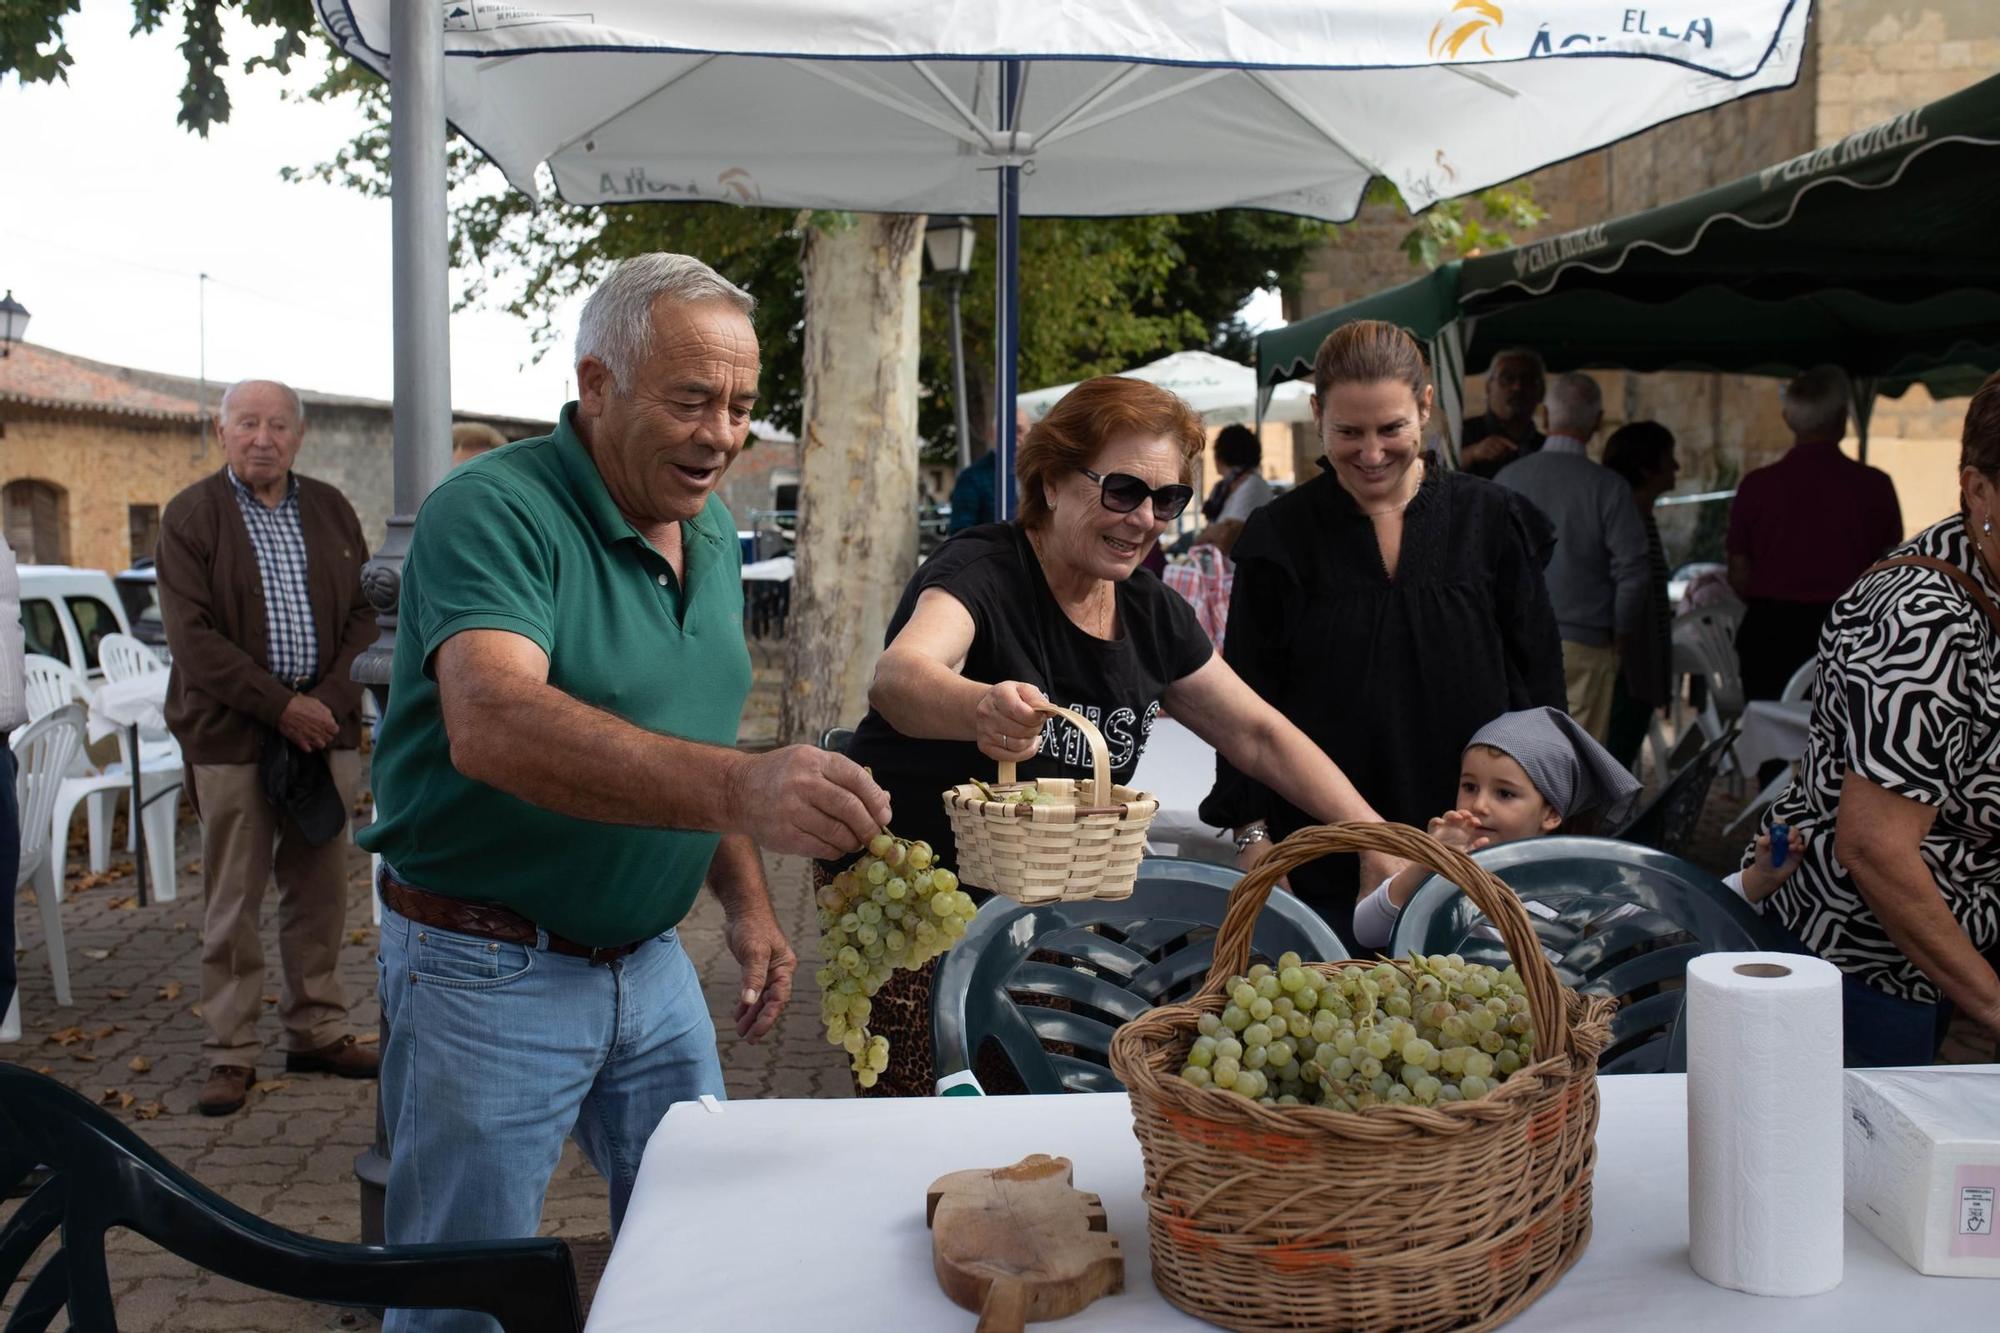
[{"x": 111, "y": 211}]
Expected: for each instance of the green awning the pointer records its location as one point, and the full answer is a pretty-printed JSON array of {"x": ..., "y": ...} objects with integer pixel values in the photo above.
[{"x": 1879, "y": 254}]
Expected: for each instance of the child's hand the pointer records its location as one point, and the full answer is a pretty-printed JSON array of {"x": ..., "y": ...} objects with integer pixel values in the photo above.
[
  {"x": 1458, "y": 830},
  {"x": 1760, "y": 881}
]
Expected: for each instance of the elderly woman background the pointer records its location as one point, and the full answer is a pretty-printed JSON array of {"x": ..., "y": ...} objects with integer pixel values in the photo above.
[
  {"x": 1902, "y": 769},
  {"x": 1053, "y": 607},
  {"x": 1390, "y": 608}
]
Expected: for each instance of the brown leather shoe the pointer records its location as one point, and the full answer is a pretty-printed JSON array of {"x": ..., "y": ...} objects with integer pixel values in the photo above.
[
  {"x": 225, "y": 1090},
  {"x": 342, "y": 1058}
]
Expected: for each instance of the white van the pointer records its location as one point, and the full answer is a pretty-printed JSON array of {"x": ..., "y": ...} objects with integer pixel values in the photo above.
[{"x": 65, "y": 611}]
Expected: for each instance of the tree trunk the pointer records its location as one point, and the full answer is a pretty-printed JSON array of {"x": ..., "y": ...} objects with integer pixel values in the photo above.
[{"x": 857, "y": 533}]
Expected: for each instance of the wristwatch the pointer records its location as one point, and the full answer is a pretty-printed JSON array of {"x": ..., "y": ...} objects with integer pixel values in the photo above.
[{"x": 1254, "y": 833}]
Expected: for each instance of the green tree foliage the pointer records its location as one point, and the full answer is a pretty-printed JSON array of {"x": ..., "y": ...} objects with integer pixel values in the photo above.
[{"x": 32, "y": 46}]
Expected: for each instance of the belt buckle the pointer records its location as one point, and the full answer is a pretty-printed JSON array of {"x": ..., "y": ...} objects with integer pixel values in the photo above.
[{"x": 602, "y": 956}]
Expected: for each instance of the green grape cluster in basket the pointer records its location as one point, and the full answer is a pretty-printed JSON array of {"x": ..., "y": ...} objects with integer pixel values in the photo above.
[
  {"x": 1025, "y": 794},
  {"x": 892, "y": 908},
  {"x": 1419, "y": 1032}
]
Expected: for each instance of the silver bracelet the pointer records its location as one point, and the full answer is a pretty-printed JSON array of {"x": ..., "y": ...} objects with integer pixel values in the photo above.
[{"x": 1255, "y": 833}]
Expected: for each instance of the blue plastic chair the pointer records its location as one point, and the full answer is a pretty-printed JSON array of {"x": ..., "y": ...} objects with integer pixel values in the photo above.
[
  {"x": 1616, "y": 919},
  {"x": 1109, "y": 962}
]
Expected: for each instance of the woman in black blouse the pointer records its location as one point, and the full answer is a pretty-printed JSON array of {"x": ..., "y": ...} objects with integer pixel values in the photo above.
[
  {"x": 1388, "y": 607},
  {"x": 1054, "y": 607},
  {"x": 1902, "y": 770}
]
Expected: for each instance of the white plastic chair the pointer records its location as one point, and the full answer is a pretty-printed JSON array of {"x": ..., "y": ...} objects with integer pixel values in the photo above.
[
  {"x": 1797, "y": 690},
  {"x": 1705, "y": 646},
  {"x": 45, "y": 750},
  {"x": 124, "y": 657},
  {"x": 53, "y": 684}
]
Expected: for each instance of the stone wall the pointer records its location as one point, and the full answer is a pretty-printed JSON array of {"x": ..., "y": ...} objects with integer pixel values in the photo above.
[
  {"x": 1869, "y": 60},
  {"x": 105, "y": 469}
]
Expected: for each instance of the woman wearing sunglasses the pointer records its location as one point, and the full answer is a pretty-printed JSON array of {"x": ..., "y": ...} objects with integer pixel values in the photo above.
[
  {"x": 1054, "y": 607},
  {"x": 1389, "y": 607}
]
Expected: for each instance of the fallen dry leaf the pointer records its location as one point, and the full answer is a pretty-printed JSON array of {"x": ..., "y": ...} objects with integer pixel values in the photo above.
[
  {"x": 192, "y": 867},
  {"x": 195, "y": 1009},
  {"x": 180, "y": 925},
  {"x": 270, "y": 999},
  {"x": 117, "y": 1098},
  {"x": 98, "y": 955},
  {"x": 83, "y": 882},
  {"x": 101, "y": 1033},
  {"x": 170, "y": 991},
  {"x": 139, "y": 1064},
  {"x": 149, "y": 1110},
  {"x": 84, "y": 1056},
  {"x": 125, "y": 904},
  {"x": 115, "y": 994},
  {"x": 271, "y": 1085},
  {"x": 366, "y": 1038},
  {"x": 43, "y": 1069},
  {"x": 359, "y": 936},
  {"x": 67, "y": 1036}
]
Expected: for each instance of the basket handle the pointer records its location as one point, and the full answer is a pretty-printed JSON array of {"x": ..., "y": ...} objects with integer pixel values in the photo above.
[
  {"x": 1494, "y": 899},
  {"x": 1100, "y": 757}
]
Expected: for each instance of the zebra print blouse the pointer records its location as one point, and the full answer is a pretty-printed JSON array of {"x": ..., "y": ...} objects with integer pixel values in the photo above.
[{"x": 1907, "y": 694}]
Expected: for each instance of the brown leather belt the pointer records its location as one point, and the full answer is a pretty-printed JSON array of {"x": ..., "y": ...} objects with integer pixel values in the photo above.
[{"x": 487, "y": 921}]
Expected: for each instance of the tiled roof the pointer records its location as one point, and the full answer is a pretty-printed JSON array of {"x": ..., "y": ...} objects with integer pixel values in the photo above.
[{"x": 39, "y": 377}]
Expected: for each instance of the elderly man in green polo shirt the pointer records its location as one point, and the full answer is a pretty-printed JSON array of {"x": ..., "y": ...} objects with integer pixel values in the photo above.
[{"x": 558, "y": 778}]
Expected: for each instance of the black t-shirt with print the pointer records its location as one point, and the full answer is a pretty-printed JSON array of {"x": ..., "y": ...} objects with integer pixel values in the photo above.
[{"x": 1020, "y": 633}]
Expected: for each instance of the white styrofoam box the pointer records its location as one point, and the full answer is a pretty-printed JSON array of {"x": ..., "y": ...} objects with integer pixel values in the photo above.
[{"x": 1923, "y": 1165}]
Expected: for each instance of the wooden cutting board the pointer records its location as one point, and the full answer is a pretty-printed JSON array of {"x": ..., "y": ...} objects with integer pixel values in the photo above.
[{"x": 1017, "y": 1244}]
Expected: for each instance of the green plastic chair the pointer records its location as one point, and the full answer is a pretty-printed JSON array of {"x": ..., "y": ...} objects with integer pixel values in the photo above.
[
  {"x": 1111, "y": 961},
  {"x": 1615, "y": 919},
  {"x": 88, "y": 1172}
]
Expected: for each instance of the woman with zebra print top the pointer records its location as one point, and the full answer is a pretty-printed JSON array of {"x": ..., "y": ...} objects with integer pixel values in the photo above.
[{"x": 1902, "y": 770}]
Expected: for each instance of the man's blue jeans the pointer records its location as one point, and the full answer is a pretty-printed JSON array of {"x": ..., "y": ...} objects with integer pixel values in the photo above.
[{"x": 497, "y": 1052}]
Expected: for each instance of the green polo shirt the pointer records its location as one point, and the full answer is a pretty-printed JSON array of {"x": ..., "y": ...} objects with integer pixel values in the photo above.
[{"x": 527, "y": 540}]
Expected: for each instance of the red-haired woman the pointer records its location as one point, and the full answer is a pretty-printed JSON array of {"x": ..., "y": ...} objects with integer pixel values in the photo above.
[
  {"x": 1388, "y": 607},
  {"x": 1054, "y": 607}
]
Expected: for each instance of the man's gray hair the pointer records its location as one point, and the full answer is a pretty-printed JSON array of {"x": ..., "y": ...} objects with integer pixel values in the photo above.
[
  {"x": 298, "y": 403},
  {"x": 1575, "y": 404},
  {"x": 1815, "y": 403},
  {"x": 616, "y": 328}
]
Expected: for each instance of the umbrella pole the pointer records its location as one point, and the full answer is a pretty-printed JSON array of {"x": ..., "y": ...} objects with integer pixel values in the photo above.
[{"x": 1007, "y": 300}]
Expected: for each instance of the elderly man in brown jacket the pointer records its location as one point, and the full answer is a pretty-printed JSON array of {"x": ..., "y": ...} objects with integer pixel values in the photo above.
[{"x": 260, "y": 587}]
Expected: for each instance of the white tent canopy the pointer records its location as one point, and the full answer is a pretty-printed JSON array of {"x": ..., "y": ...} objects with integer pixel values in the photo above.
[
  {"x": 1126, "y": 106},
  {"x": 1221, "y": 390},
  {"x": 1052, "y": 107}
]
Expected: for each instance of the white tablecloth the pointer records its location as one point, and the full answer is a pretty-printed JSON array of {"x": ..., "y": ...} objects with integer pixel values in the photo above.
[
  {"x": 1772, "y": 730},
  {"x": 778, "y": 569},
  {"x": 136, "y": 700},
  {"x": 1178, "y": 767},
  {"x": 810, "y": 1215}
]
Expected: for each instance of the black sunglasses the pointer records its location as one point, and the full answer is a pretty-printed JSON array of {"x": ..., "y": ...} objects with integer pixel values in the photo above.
[{"x": 1121, "y": 493}]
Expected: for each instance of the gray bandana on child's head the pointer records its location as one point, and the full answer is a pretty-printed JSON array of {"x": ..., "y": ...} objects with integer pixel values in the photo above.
[{"x": 1569, "y": 768}]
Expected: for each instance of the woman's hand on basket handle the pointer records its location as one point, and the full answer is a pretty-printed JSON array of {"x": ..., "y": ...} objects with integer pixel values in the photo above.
[{"x": 1005, "y": 724}]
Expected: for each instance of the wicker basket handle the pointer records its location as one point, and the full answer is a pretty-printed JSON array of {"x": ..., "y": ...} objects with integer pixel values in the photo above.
[
  {"x": 1100, "y": 757},
  {"x": 1493, "y": 898}
]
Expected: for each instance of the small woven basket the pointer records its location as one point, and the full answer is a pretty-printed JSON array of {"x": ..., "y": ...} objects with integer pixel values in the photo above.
[
  {"x": 1087, "y": 844},
  {"x": 1408, "y": 1218}
]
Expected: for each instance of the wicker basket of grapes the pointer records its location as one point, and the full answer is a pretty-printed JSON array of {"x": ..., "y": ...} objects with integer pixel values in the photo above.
[
  {"x": 1052, "y": 838},
  {"x": 1367, "y": 1146}
]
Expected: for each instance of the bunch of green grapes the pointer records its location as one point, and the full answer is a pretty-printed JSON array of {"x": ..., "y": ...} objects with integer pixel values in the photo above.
[
  {"x": 892, "y": 908},
  {"x": 1423, "y": 1032},
  {"x": 1026, "y": 794}
]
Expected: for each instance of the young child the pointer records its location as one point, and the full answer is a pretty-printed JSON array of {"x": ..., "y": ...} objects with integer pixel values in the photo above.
[{"x": 1526, "y": 775}]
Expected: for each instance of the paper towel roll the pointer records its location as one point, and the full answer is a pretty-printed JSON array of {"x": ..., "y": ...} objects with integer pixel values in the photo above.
[{"x": 1765, "y": 1122}]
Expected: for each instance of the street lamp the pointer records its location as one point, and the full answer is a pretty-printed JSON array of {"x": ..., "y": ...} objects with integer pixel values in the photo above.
[
  {"x": 14, "y": 321},
  {"x": 948, "y": 242}
]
